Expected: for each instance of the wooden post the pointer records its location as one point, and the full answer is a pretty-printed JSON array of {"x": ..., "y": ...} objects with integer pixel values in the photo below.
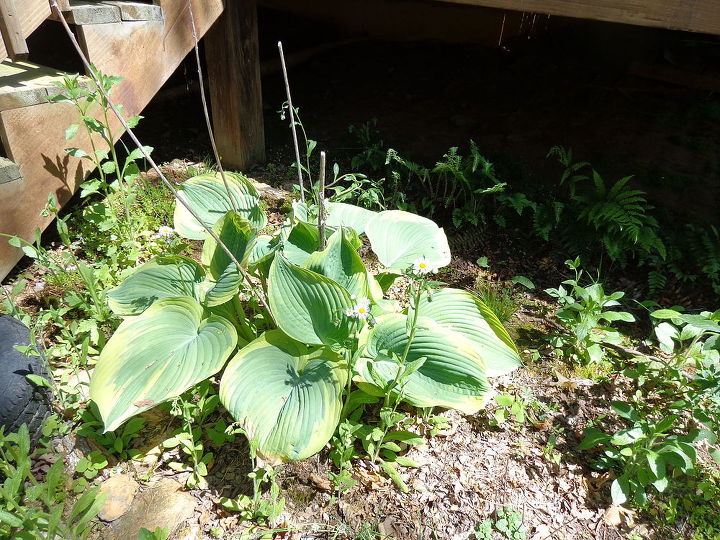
[
  {"x": 233, "y": 64},
  {"x": 12, "y": 31}
]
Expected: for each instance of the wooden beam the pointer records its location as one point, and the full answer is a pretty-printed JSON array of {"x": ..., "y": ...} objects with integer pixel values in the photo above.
[
  {"x": 12, "y": 30},
  {"x": 31, "y": 13},
  {"x": 690, "y": 15},
  {"x": 233, "y": 64}
]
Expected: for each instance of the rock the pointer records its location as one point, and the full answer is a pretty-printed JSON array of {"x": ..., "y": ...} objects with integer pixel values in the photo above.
[
  {"x": 120, "y": 490},
  {"x": 161, "y": 505},
  {"x": 274, "y": 197}
]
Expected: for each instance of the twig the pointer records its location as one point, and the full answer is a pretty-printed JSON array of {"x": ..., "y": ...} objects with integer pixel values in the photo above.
[
  {"x": 321, "y": 201},
  {"x": 91, "y": 70},
  {"x": 205, "y": 109},
  {"x": 292, "y": 121}
]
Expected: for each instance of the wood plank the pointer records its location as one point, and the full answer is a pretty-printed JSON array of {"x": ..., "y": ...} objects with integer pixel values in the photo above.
[
  {"x": 231, "y": 50},
  {"x": 145, "y": 53},
  {"x": 82, "y": 12},
  {"x": 690, "y": 15},
  {"x": 136, "y": 11},
  {"x": 24, "y": 83},
  {"x": 12, "y": 32},
  {"x": 31, "y": 14}
]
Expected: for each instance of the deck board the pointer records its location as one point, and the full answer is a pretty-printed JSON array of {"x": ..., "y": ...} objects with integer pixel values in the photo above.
[{"x": 690, "y": 15}]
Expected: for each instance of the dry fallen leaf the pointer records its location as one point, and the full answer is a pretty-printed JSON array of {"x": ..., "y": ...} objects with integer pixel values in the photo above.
[
  {"x": 320, "y": 482},
  {"x": 617, "y": 516}
]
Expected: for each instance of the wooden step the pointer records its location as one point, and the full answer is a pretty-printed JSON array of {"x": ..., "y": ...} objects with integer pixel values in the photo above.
[
  {"x": 144, "y": 52},
  {"x": 23, "y": 84},
  {"x": 83, "y": 12},
  {"x": 9, "y": 171}
]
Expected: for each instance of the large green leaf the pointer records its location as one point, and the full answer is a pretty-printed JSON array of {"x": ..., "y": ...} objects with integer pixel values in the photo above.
[
  {"x": 238, "y": 235},
  {"x": 263, "y": 252},
  {"x": 340, "y": 262},
  {"x": 206, "y": 195},
  {"x": 307, "y": 306},
  {"x": 288, "y": 396},
  {"x": 300, "y": 241},
  {"x": 466, "y": 314},
  {"x": 400, "y": 238},
  {"x": 453, "y": 374},
  {"x": 161, "y": 277},
  {"x": 157, "y": 356},
  {"x": 348, "y": 215}
]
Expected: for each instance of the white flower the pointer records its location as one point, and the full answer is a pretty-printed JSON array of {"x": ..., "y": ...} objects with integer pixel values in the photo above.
[
  {"x": 361, "y": 310},
  {"x": 166, "y": 232},
  {"x": 422, "y": 267}
]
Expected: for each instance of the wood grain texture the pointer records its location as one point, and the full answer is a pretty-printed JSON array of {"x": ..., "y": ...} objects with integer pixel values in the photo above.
[
  {"x": 145, "y": 53},
  {"x": 231, "y": 50},
  {"x": 690, "y": 15},
  {"x": 31, "y": 14},
  {"x": 12, "y": 32}
]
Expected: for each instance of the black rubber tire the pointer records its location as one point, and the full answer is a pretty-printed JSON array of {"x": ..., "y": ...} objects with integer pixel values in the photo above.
[{"x": 21, "y": 401}]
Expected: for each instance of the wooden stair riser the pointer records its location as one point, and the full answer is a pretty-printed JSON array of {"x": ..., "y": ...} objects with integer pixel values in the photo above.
[{"x": 145, "y": 54}]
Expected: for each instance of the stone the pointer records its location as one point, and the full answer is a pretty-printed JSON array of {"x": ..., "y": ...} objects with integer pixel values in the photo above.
[
  {"x": 120, "y": 490},
  {"x": 162, "y": 505}
]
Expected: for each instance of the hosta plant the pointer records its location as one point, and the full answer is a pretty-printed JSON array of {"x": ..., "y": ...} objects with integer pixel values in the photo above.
[{"x": 297, "y": 330}]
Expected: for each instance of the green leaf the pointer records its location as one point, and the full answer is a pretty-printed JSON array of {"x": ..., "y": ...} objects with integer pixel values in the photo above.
[
  {"x": 10, "y": 519},
  {"x": 625, "y": 410},
  {"x": 525, "y": 282},
  {"x": 71, "y": 131},
  {"x": 162, "y": 277},
  {"x": 207, "y": 196},
  {"x": 286, "y": 395},
  {"x": 157, "y": 356},
  {"x": 593, "y": 438},
  {"x": 620, "y": 490},
  {"x": 394, "y": 475},
  {"x": 348, "y": 215},
  {"x": 108, "y": 167},
  {"x": 467, "y": 315},
  {"x": 452, "y": 376},
  {"x": 612, "y": 316},
  {"x": 76, "y": 152},
  {"x": 307, "y": 306},
  {"x": 399, "y": 238},
  {"x": 340, "y": 262},
  {"x": 238, "y": 235},
  {"x": 300, "y": 241}
]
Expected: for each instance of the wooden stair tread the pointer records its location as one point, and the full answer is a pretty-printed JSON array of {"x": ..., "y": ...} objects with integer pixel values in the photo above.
[
  {"x": 84, "y": 12},
  {"x": 23, "y": 84}
]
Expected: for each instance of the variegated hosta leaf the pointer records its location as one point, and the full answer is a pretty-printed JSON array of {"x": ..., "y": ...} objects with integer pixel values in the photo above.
[
  {"x": 466, "y": 314},
  {"x": 238, "y": 235},
  {"x": 157, "y": 356},
  {"x": 348, "y": 215},
  {"x": 207, "y": 196},
  {"x": 263, "y": 252},
  {"x": 300, "y": 241},
  {"x": 307, "y": 306},
  {"x": 287, "y": 395},
  {"x": 453, "y": 374},
  {"x": 340, "y": 262},
  {"x": 399, "y": 238},
  {"x": 161, "y": 277}
]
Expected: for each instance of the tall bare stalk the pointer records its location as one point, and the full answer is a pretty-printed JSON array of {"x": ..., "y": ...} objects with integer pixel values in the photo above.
[
  {"x": 292, "y": 122},
  {"x": 321, "y": 201},
  {"x": 233, "y": 204},
  {"x": 259, "y": 294}
]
